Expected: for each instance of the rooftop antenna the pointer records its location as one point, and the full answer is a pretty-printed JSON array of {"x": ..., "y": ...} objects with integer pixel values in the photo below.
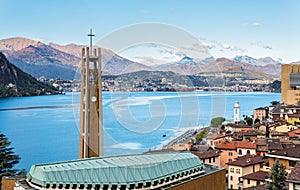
[{"x": 91, "y": 35}]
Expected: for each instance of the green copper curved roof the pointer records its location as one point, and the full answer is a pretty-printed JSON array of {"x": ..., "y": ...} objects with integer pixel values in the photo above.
[{"x": 116, "y": 170}]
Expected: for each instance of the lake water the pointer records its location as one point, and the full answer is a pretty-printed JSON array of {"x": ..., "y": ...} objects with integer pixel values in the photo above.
[{"x": 133, "y": 122}]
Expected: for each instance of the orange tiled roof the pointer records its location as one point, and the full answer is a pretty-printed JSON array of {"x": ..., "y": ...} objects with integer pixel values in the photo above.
[
  {"x": 226, "y": 146},
  {"x": 285, "y": 141},
  {"x": 235, "y": 145},
  {"x": 294, "y": 132},
  {"x": 244, "y": 144},
  {"x": 214, "y": 136}
]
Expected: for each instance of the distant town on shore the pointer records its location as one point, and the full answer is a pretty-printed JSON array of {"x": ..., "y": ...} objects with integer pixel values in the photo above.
[{"x": 56, "y": 66}]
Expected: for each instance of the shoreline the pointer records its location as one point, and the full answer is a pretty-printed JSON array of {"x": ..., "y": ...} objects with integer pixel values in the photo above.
[{"x": 179, "y": 136}]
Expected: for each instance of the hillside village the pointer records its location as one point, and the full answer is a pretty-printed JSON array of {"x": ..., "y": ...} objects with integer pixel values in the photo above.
[{"x": 248, "y": 151}]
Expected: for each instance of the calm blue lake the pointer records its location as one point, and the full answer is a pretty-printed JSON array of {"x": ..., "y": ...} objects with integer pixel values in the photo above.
[{"x": 133, "y": 122}]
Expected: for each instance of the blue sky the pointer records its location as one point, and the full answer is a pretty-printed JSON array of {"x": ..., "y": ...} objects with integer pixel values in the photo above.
[{"x": 257, "y": 28}]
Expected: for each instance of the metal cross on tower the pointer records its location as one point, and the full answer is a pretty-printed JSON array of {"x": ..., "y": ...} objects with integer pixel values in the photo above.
[
  {"x": 91, "y": 35},
  {"x": 91, "y": 119}
]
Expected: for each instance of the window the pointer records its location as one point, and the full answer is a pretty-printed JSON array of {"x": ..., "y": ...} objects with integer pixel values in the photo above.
[
  {"x": 214, "y": 159},
  {"x": 209, "y": 160},
  {"x": 240, "y": 152},
  {"x": 292, "y": 163},
  {"x": 248, "y": 181},
  {"x": 248, "y": 151},
  {"x": 238, "y": 171},
  {"x": 231, "y": 178},
  {"x": 229, "y": 153},
  {"x": 229, "y": 160},
  {"x": 231, "y": 186},
  {"x": 231, "y": 170}
]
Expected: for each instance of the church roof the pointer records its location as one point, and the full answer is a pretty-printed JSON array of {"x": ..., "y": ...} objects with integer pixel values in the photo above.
[{"x": 117, "y": 170}]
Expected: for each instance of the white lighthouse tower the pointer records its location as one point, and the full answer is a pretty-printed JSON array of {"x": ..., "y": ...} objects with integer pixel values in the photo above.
[{"x": 236, "y": 110}]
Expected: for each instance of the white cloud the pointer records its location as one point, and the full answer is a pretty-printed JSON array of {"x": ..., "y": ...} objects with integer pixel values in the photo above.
[
  {"x": 219, "y": 49},
  {"x": 262, "y": 45},
  {"x": 40, "y": 40},
  {"x": 208, "y": 45},
  {"x": 197, "y": 51},
  {"x": 255, "y": 24},
  {"x": 151, "y": 60},
  {"x": 225, "y": 46},
  {"x": 268, "y": 47}
]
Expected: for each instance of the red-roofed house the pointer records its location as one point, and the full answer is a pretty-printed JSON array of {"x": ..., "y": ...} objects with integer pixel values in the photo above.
[
  {"x": 228, "y": 153},
  {"x": 295, "y": 134},
  {"x": 242, "y": 166},
  {"x": 260, "y": 113},
  {"x": 244, "y": 148},
  {"x": 294, "y": 178},
  {"x": 254, "y": 179},
  {"x": 288, "y": 156},
  {"x": 214, "y": 139},
  {"x": 238, "y": 127},
  {"x": 209, "y": 156}
]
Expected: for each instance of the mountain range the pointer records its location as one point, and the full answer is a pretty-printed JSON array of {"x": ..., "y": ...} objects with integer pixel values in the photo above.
[
  {"x": 56, "y": 61},
  {"x": 15, "y": 82},
  {"x": 61, "y": 61}
]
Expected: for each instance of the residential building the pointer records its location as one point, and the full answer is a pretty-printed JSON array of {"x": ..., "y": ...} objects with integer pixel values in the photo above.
[
  {"x": 260, "y": 113},
  {"x": 209, "y": 156},
  {"x": 266, "y": 145},
  {"x": 278, "y": 135},
  {"x": 254, "y": 179},
  {"x": 288, "y": 156},
  {"x": 214, "y": 140},
  {"x": 282, "y": 127},
  {"x": 258, "y": 187},
  {"x": 294, "y": 134},
  {"x": 242, "y": 166},
  {"x": 8, "y": 183},
  {"x": 182, "y": 146},
  {"x": 293, "y": 119},
  {"x": 232, "y": 127},
  {"x": 247, "y": 135},
  {"x": 281, "y": 111},
  {"x": 290, "y": 84},
  {"x": 244, "y": 148},
  {"x": 228, "y": 153},
  {"x": 294, "y": 178}
]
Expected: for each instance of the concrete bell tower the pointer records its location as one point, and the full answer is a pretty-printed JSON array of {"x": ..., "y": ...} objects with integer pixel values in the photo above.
[
  {"x": 91, "y": 120},
  {"x": 236, "y": 111}
]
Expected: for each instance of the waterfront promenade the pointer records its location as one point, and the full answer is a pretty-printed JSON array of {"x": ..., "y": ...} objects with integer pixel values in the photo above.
[{"x": 190, "y": 132}]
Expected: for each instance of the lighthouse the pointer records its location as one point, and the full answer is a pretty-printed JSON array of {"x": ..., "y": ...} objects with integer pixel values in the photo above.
[{"x": 236, "y": 110}]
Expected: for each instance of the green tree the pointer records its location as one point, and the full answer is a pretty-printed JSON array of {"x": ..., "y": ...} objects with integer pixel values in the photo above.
[
  {"x": 277, "y": 177},
  {"x": 215, "y": 122},
  {"x": 274, "y": 103},
  {"x": 7, "y": 158},
  {"x": 276, "y": 85},
  {"x": 248, "y": 120},
  {"x": 200, "y": 136},
  {"x": 257, "y": 120}
]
